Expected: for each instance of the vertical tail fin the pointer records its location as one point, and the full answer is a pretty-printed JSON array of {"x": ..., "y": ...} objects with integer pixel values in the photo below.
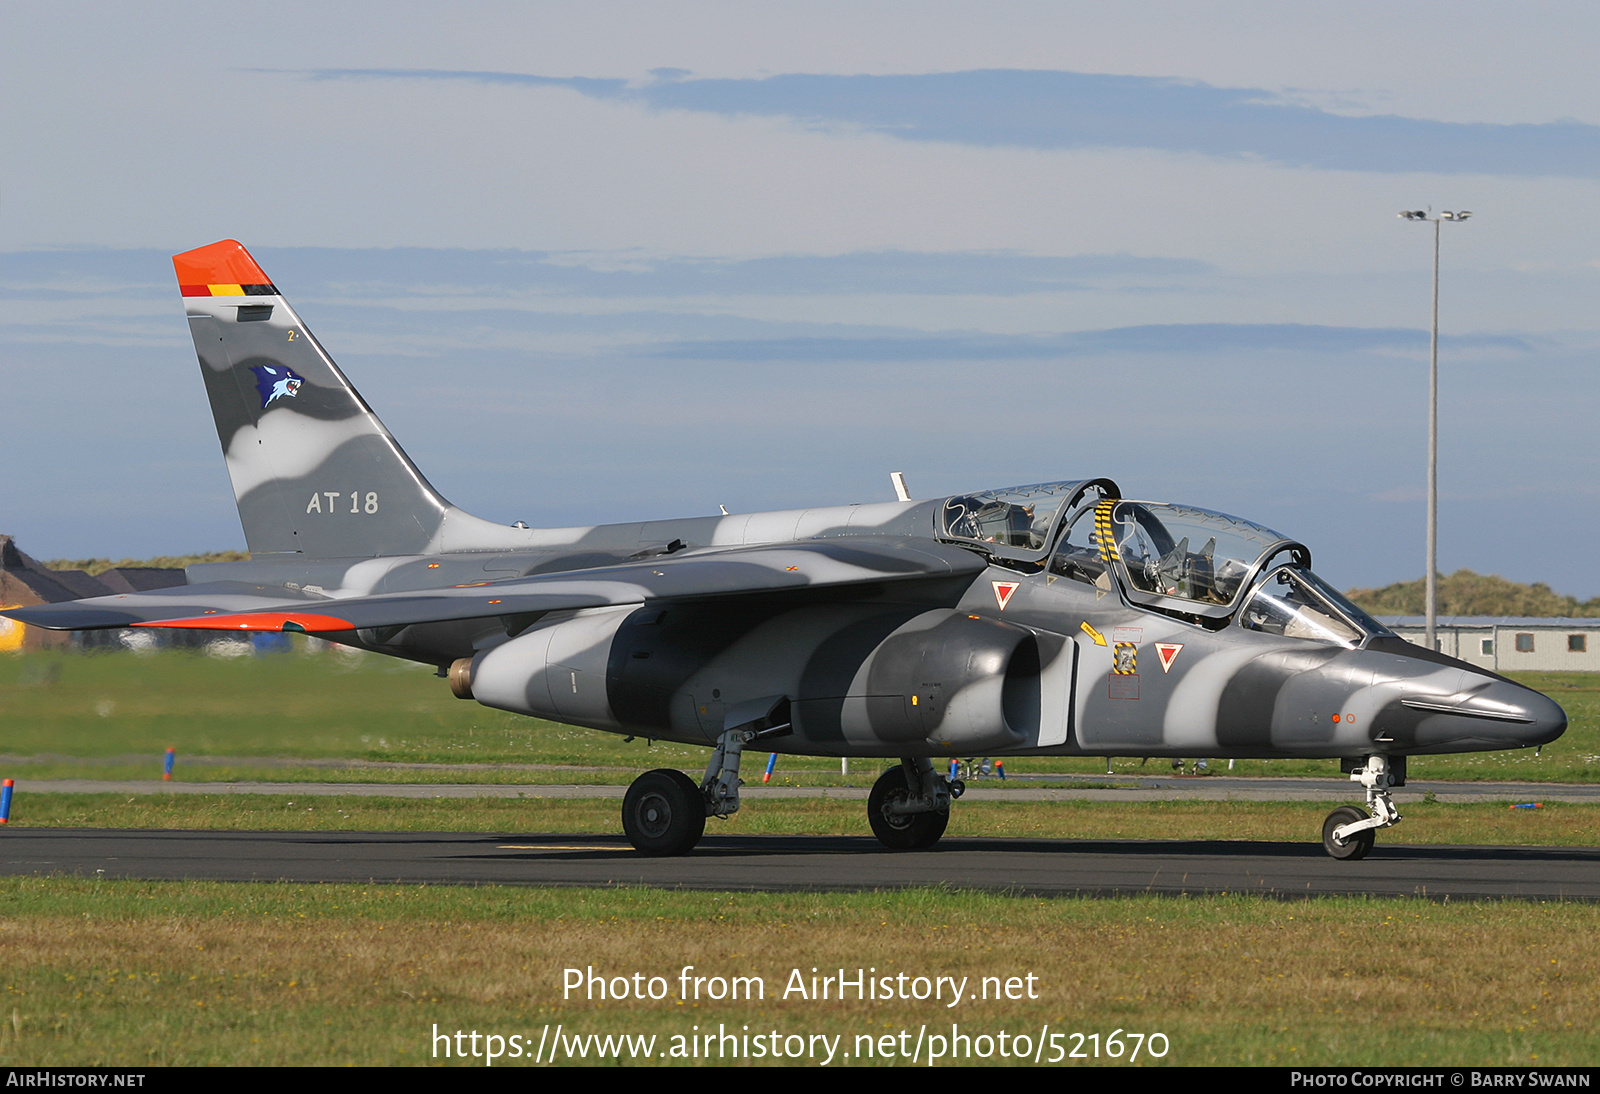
[{"x": 314, "y": 471}]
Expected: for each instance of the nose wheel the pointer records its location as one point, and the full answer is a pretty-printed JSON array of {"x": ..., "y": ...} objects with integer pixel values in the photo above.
[{"x": 1354, "y": 847}]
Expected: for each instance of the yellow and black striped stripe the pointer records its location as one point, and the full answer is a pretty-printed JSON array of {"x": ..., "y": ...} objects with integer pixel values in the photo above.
[
  {"x": 1102, "y": 528},
  {"x": 1125, "y": 664}
]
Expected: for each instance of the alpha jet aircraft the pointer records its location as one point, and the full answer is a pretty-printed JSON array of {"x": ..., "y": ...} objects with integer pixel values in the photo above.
[{"x": 1052, "y": 620}]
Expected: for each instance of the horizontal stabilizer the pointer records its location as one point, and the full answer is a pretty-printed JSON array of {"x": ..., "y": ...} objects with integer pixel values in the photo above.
[
  {"x": 217, "y": 598},
  {"x": 835, "y": 564}
]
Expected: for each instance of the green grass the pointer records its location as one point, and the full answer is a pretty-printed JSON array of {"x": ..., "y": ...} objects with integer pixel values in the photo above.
[
  {"x": 138, "y": 973},
  {"x": 98, "y": 713}
]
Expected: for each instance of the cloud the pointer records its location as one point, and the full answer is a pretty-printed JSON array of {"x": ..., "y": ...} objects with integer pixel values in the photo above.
[
  {"x": 421, "y": 301},
  {"x": 1178, "y": 339},
  {"x": 614, "y": 275},
  {"x": 434, "y": 272},
  {"x": 1071, "y": 110}
]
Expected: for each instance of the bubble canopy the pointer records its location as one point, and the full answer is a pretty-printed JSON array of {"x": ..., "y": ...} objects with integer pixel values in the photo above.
[
  {"x": 1018, "y": 521},
  {"x": 1194, "y": 563}
]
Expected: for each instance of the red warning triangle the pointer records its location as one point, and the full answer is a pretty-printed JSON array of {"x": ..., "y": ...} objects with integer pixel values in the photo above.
[
  {"x": 1003, "y": 591},
  {"x": 1168, "y": 652}
]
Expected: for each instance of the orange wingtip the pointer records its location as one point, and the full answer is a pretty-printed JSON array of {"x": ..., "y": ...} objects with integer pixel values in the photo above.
[
  {"x": 219, "y": 269},
  {"x": 258, "y": 621}
]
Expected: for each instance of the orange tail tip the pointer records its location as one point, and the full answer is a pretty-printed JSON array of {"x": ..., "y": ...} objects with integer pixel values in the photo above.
[{"x": 221, "y": 269}]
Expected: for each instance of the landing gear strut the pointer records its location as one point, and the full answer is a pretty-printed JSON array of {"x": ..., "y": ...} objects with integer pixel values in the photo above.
[
  {"x": 664, "y": 812},
  {"x": 1348, "y": 833},
  {"x": 909, "y": 806}
]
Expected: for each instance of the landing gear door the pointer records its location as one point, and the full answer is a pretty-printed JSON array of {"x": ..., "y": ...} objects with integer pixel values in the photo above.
[
  {"x": 1093, "y": 670},
  {"x": 1060, "y": 660}
]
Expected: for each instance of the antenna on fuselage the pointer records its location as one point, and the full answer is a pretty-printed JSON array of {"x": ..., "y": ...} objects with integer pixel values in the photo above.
[{"x": 900, "y": 491}]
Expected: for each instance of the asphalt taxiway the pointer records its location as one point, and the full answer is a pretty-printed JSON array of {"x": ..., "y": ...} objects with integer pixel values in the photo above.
[
  {"x": 1078, "y": 788},
  {"x": 818, "y": 863}
]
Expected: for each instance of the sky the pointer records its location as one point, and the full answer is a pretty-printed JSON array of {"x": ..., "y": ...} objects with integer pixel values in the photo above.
[{"x": 629, "y": 261}]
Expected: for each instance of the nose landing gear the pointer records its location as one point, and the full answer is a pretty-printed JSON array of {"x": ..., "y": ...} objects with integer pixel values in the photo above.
[{"x": 1348, "y": 833}]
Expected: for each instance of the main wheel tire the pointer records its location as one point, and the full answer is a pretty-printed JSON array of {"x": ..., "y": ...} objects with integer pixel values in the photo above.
[
  {"x": 664, "y": 813},
  {"x": 901, "y": 833},
  {"x": 1358, "y": 845}
]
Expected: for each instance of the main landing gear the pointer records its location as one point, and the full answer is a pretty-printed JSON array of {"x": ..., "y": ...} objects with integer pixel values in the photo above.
[
  {"x": 909, "y": 806},
  {"x": 1348, "y": 833},
  {"x": 664, "y": 812}
]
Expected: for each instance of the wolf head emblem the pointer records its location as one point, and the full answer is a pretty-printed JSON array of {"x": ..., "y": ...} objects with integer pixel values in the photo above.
[{"x": 276, "y": 382}]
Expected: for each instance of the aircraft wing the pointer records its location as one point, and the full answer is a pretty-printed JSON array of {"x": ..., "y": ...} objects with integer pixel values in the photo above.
[{"x": 240, "y": 606}]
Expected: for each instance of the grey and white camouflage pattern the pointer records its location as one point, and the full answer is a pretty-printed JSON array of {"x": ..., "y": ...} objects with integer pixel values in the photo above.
[{"x": 1012, "y": 622}]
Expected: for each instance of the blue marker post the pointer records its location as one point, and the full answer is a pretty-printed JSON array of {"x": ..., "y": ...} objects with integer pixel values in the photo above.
[
  {"x": 772, "y": 761},
  {"x": 166, "y": 767},
  {"x": 5, "y": 801}
]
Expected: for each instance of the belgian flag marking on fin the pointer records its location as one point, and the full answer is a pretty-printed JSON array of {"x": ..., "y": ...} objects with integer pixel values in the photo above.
[{"x": 221, "y": 269}]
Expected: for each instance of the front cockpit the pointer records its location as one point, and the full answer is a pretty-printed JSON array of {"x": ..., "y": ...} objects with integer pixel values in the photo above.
[
  {"x": 1167, "y": 557},
  {"x": 1207, "y": 568}
]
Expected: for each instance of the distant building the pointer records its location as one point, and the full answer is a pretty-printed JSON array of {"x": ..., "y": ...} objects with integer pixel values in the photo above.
[
  {"x": 25, "y": 581},
  {"x": 1509, "y": 643},
  {"x": 139, "y": 579}
]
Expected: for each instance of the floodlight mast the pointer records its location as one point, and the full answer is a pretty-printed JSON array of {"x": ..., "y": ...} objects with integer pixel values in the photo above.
[{"x": 1431, "y": 609}]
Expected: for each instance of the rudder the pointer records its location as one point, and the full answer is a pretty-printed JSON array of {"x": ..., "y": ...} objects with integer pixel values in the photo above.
[{"x": 314, "y": 471}]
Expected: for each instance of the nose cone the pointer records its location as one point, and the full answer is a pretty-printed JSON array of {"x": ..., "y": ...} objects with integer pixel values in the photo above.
[
  {"x": 1547, "y": 720},
  {"x": 1490, "y": 713}
]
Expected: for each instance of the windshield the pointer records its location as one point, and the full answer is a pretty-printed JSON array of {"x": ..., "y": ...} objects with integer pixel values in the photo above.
[
  {"x": 1296, "y": 603},
  {"x": 1018, "y": 517}
]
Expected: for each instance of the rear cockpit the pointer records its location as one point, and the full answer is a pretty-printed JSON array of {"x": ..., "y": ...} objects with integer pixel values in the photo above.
[{"x": 1016, "y": 524}]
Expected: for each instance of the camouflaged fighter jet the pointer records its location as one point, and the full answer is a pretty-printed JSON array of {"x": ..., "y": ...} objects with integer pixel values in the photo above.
[{"x": 1051, "y": 620}]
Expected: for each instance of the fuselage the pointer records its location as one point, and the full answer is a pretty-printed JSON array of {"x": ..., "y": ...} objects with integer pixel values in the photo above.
[{"x": 1028, "y": 657}]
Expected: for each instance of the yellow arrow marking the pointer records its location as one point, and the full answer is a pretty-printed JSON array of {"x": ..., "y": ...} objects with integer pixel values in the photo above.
[{"x": 1099, "y": 639}]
